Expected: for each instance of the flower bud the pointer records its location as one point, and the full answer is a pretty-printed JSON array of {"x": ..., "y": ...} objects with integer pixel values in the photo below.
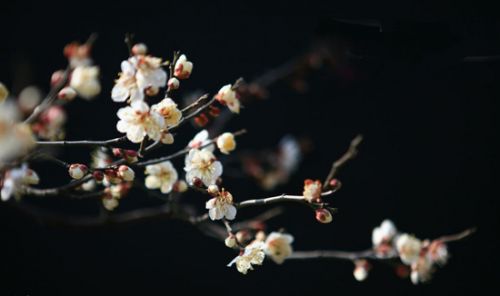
[
  {"x": 201, "y": 120},
  {"x": 226, "y": 143},
  {"x": 335, "y": 184},
  {"x": 213, "y": 190},
  {"x": 323, "y": 216},
  {"x": 67, "y": 94},
  {"x": 117, "y": 152},
  {"x": 173, "y": 83},
  {"x": 183, "y": 68},
  {"x": 77, "y": 171},
  {"x": 139, "y": 49},
  {"x": 180, "y": 186},
  {"x": 361, "y": 270},
  {"x": 126, "y": 173},
  {"x": 230, "y": 241},
  {"x": 56, "y": 77},
  {"x": 260, "y": 236},
  {"x": 167, "y": 138},
  {"x": 242, "y": 236},
  {"x": 130, "y": 156},
  {"x": 110, "y": 203},
  {"x": 98, "y": 175},
  {"x": 197, "y": 182}
]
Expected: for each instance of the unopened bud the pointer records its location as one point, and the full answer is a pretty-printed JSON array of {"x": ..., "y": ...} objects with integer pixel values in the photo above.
[
  {"x": 323, "y": 216},
  {"x": 98, "y": 175},
  {"x": 173, "y": 83},
  {"x": 56, "y": 77},
  {"x": 77, "y": 171},
  {"x": 66, "y": 94},
  {"x": 152, "y": 91},
  {"x": 213, "y": 190},
  {"x": 126, "y": 173},
  {"x": 197, "y": 182},
  {"x": 335, "y": 184},
  {"x": 180, "y": 186}
]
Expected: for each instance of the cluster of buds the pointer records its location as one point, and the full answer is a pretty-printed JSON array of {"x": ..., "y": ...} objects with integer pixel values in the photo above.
[{"x": 130, "y": 156}]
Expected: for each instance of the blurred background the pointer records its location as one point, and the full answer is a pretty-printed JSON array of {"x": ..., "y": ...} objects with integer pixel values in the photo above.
[{"x": 420, "y": 82}]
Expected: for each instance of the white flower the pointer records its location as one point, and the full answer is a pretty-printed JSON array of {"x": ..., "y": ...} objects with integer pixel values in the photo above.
[
  {"x": 221, "y": 206},
  {"x": 226, "y": 143},
  {"x": 15, "y": 179},
  {"x": 202, "y": 164},
  {"x": 253, "y": 255},
  {"x": 183, "y": 68},
  {"x": 138, "y": 73},
  {"x": 201, "y": 139},
  {"x": 312, "y": 190},
  {"x": 168, "y": 109},
  {"x": 29, "y": 98},
  {"x": 162, "y": 175},
  {"x": 278, "y": 246},
  {"x": 16, "y": 139},
  {"x": 77, "y": 171},
  {"x": 409, "y": 248},
  {"x": 85, "y": 81},
  {"x": 384, "y": 233},
  {"x": 126, "y": 173},
  {"x": 227, "y": 96},
  {"x": 110, "y": 203},
  {"x": 4, "y": 92},
  {"x": 138, "y": 121}
]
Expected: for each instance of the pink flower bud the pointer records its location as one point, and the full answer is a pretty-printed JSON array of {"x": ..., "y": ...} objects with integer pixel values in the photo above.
[
  {"x": 98, "y": 175},
  {"x": 173, "y": 83},
  {"x": 323, "y": 216},
  {"x": 180, "y": 186},
  {"x": 197, "y": 182},
  {"x": 56, "y": 77},
  {"x": 67, "y": 94},
  {"x": 126, "y": 173},
  {"x": 117, "y": 152},
  {"x": 213, "y": 190},
  {"x": 183, "y": 68},
  {"x": 77, "y": 171}
]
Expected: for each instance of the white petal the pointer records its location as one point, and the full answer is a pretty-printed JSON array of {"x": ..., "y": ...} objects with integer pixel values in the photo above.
[
  {"x": 128, "y": 68},
  {"x": 152, "y": 182},
  {"x": 136, "y": 95},
  {"x": 230, "y": 212},
  {"x": 119, "y": 93},
  {"x": 135, "y": 133},
  {"x": 122, "y": 126}
]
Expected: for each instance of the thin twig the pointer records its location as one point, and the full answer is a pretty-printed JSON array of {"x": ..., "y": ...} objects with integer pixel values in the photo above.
[
  {"x": 83, "y": 142},
  {"x": 351, "y": 152}
]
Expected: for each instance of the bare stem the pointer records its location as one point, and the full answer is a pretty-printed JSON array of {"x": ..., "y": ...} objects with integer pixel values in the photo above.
[
  {"x": 90, "y": 143},
  {"x": 351, "y": 152}
]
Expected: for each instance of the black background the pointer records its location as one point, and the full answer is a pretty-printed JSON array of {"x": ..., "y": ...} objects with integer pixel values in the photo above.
[{"x": 427, "y": 162}]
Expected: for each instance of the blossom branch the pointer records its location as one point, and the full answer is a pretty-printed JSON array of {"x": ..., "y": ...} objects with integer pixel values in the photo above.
[
  {"x": 90, "y": 143},
  {"x": 351, "y": 152}
]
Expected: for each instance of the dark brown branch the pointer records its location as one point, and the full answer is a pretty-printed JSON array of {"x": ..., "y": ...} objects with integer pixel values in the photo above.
[{"x": 351, "y": 152}]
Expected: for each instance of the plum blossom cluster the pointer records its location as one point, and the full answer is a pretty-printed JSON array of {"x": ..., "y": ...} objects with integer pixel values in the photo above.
[
  {"x": 419, "y": 258},
  {"x": 147, "y": 119}
]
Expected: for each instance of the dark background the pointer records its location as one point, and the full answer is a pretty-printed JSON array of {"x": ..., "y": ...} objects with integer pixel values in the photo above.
[{"x": 427, "y": 162}]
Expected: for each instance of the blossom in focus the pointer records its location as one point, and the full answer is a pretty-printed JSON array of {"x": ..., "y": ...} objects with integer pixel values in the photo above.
[
  {"x": 161, "y": 176},
  {"x": 202, "y": 164},
  {"x": 137, "y": 121},
  {"x": 278, "y": 246},
  {"x": 14, "y": 179},
  {"x": 409, "y": 248},
  {"x": 226, "y": 143},
  {"x": 221, "y": 206},
  {"x": 138, "y": 74},
  {"x": 384, "y": 233},
  {"x": 201, "y": 139},
  {"x": 312, "y": 190},
  {"x": 16, "y": 138},
  {"x": 167, "y": 108},
  {"x": 228, "y": 96},
  {"x": 252, "y": 255},
  {"x": 85, "y": 81},
  {"x": 183, "y": 67}
]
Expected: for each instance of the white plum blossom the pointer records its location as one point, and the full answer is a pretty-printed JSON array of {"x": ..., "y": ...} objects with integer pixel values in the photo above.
[
  {"x": 312, "y": 190},
  {"x": 16, "y": 138},
  {"x": 226, "y": 143},
  {"x": 161, "y": 176},
  {"x": 384, "y": 233},
  {"x": 252, "y": 255},
  {"x": 201, "y": 139},
  {"x": 14, "y": 180},
  {"x": 228, "y": 96},
  {"x": 139, "y": 73},
  {"x": 278, "y": 246},
  {"x": 167, "y": 108},
  {"x": 137, "y": 121},
  {"x": 85, "y": 81},
  {"x": 221, "y": 206},
  {"x": 421, "y": 270},
  {"x": 183, "y": 67},
  {"x": 409, "y": 248},
  {"x": 202, "y": 164}
]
